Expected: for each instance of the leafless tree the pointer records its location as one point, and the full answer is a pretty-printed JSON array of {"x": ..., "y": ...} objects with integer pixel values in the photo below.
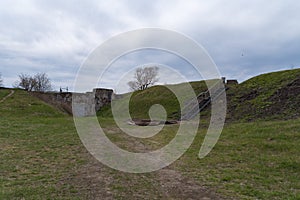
[
  {"x": 144, "y": 77},
  {"x": 42, "y": 82},
  {"x": 26, "y": 82},
  {"x": 39, "y": 82},
  {"x": 1, "y": 80}
]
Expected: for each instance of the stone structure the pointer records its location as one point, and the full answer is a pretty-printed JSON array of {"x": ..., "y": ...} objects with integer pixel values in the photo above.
[
  {"x": 83, "y": 104},
  {"x": 87, "y": 104},
  {"x": 102, "y": 97},
  {"x": 229, "y": 81},
  {"x": 232, "y": 82}
]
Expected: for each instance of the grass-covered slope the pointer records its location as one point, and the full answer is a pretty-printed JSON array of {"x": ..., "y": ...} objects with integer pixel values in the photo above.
[
  {"x": 268, "y": 96},
  {"x": 21, "y": 104},
  {"x": 4, "y": 93},
  {"x": 141, "y": 101},
  {"x": 273, "y": 95}
]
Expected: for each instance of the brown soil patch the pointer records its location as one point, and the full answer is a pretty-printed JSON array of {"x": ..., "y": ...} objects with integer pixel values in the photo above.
[
  {"x": 96, "y": 181},
  {"x": 175, "y": 186},
  {"x": 93, "y": 180}
]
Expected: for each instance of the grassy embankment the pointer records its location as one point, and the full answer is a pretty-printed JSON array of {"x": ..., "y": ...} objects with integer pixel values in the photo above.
[{"x": 41, "y": 154}]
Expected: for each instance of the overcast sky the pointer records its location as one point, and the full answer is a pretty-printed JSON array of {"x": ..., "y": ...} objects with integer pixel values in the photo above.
[{"x": 244, "y": 38}]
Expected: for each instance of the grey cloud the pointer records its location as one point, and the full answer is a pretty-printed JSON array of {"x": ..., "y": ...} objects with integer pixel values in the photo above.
[{"x": 244, "y": 38}]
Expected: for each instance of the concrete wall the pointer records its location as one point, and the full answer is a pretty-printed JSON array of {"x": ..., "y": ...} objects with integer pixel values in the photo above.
[
  {"x": 89, "y": 103},
  {"x": 86, "y": 104},
  {"x": 83, "y": 104},
  {"x": 102, "y": 97}
]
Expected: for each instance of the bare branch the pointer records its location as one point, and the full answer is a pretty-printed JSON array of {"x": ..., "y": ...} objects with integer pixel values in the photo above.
[
  {"x": 39, "y": 82},
  {"x": 145, "y": 77},
  {"x": 42, "y": 82}
]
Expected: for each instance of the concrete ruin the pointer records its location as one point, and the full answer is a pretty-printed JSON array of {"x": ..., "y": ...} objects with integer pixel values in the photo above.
[
  {"x": 89, "y": 103},
  {"x": 230, "y": 81},
  {"x": 78, "y": 104}
]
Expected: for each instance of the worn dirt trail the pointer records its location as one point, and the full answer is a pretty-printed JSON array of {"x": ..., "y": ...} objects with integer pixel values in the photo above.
[
  {"x": 97, "y": 181},
  {"x": 9, "y": 95}
]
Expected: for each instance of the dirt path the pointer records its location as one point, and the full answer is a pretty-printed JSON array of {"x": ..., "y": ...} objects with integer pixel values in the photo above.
[
  {"x": 10, "y": 94},
  {"x": 175, "y": 186},
  {"x": 97, "y": 181}
]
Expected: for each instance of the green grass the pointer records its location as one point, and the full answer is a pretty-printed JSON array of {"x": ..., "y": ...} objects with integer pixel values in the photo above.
[
  {"x": 258, "y": 160},
  {"x": 41, "y": 156},
  {"x": 22, "y": 105},
  {"x": 271, "y": 80},
  {"x": 38, "y": 148},
  {"x": 4, "y": 93},
  {"x": 255, "y": 98},
  {"x": 255, "y": 160},
  {"x": 141, "y": 101}
]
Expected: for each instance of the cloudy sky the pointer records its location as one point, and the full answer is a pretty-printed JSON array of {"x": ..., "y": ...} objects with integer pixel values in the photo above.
[{"x": 244, "y": 38}]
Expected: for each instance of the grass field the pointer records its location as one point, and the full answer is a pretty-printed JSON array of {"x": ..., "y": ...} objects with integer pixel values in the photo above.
[
  {"x": 43, "y": 158},
  {"x": 4, "y": 93},
  {"x": 251, "y": 160}
]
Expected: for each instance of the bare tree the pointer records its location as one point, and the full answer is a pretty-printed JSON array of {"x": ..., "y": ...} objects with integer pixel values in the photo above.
[
  {"x": 144, "y": 77},
  {"x": 26, "y": 82},
  {"x": 1, "y": 80},
  {"x": 39, "y": 82},
  {"x": 42, "y": 82}
]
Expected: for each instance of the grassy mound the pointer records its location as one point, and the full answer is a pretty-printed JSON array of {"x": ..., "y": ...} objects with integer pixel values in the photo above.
[
  {"x": 141, "y": 101},
  {"x": 21, "y": 104},
  {"x": 268, "y": 96}
]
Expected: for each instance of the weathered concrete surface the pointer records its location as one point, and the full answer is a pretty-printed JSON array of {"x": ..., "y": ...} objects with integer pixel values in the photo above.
[
  {"x": 102, "y": 97},
  {"x": 86, "y": 104},
  {"x": 83, "y": 105}
]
